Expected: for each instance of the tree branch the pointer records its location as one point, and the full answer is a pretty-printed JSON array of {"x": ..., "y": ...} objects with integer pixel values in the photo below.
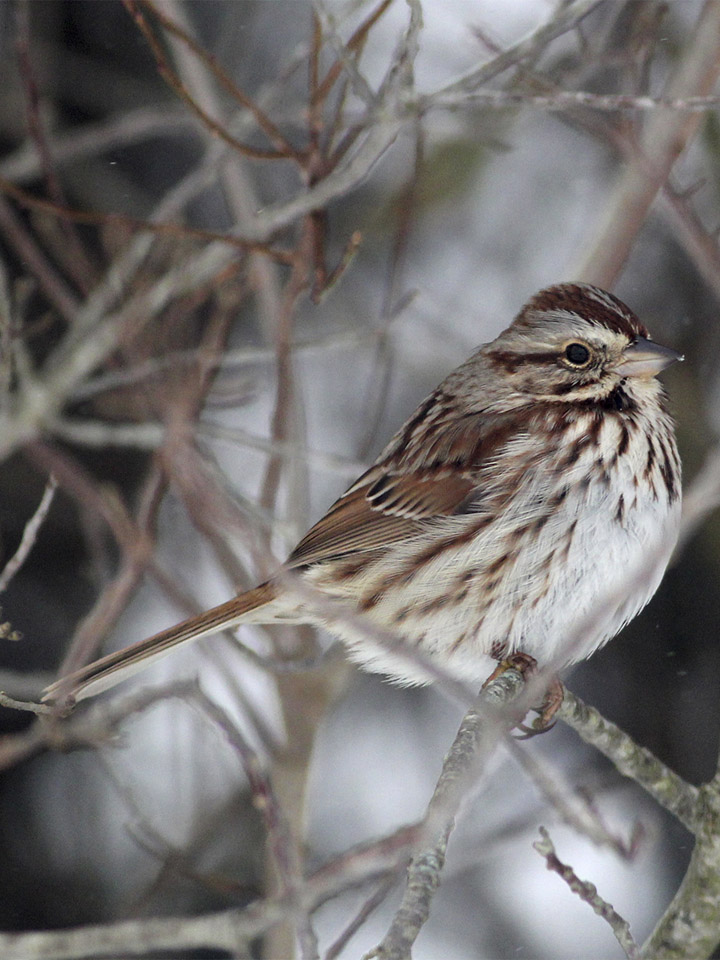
[
  {"x": 665, "y": 136},
  {"x": 588, "y": 894},
  {"x": 633, "y": 761},
  {"x": 690, "y": 927},
  {"x": 480, "y": 732}
]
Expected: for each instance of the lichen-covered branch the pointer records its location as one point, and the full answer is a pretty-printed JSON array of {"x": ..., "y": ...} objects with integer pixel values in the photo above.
[
  {"x": 666, "y": 787},
  {"x": 690, "y": 927}
]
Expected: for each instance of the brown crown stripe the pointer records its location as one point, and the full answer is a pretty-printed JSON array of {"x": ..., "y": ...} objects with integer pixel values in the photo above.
[{"x": 588, "y": 303}]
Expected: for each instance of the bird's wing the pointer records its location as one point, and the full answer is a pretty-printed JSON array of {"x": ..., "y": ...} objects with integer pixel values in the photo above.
[{"x": 435, "y": 475}]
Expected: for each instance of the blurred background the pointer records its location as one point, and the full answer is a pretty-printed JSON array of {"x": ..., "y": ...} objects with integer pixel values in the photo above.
[{"x": 231, "y": 394}]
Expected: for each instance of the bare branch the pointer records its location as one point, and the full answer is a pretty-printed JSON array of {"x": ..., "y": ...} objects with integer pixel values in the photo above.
[
  {"x": 667, "y": 788},
  {"x": 480, "y": 732},
  {"x": 24, "y": 705},
  {"x": 569, "y": 99},
  {"x": 573, "y": 808},
  {"x": 132, "y": 126},
  {"x": 690, "y": 927},
  {"x": 282, "y": 147},
  {"x": 369, "y": 906},
  {"x": 29, "y": 536},
  {"x": 26, "y": 246},
  {"x": 563, "y": 18},
  {"x": 662, "y": 141},
  {"x": 174, "y": 82},
  {"x": 588, "y": 893}
]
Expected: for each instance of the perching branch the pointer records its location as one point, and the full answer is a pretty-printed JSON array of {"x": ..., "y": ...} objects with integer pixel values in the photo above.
[{"x": 495, "y": 713}]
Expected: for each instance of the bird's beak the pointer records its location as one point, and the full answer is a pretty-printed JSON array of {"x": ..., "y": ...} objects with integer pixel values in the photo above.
[{"x": 645, "y": 359}]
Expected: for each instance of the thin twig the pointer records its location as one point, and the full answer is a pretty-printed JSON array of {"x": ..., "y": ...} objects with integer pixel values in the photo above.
[
  {"x": 273, "y": 133},
  {"x": 563, "y": 100},
  {"x": 74, "y": 257},
  {"x": 662, "y": 141},
  {"x": 376, "y": 899},
  {"x": 285, "y": 855},
  {"x": 588, "y": 894},
  {"x": 574, "y": 809},
  {"x": 699, "y": 242},
  {"x": 29, "y": 535},
  {"x": 24, "y": 705},
  {"x": 562, "y": 19},
  {"x": 170, "y": 77},
  {"x": 128, "y": 128},
  {"x": 31, "y": 254},
  {"x": 100, "y": 218}
]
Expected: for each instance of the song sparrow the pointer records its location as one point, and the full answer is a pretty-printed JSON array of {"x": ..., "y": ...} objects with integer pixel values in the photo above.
[{"x": 535, "y": 491}]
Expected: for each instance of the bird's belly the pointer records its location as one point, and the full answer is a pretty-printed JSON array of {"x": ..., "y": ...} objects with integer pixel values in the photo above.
[
  {"x": 579, "y": 592},
  {"x": 555, "y": 584}
]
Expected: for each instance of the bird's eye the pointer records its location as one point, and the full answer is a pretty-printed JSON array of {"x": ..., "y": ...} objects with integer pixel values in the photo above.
[{"x": 577, "y": 354}]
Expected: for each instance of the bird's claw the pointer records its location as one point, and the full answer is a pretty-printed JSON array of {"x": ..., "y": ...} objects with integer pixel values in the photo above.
[{"x": 527, "y": 666}]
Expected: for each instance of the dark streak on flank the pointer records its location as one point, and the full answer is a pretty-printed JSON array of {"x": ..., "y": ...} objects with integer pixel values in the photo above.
[
  {"x": 622, "y": 447},
  {"x": 436, "y": 603},
  {"x": 370, "y": 600},
  {"x": 402, "y": 615},
  {"x": 558, "y": 498},
  {"x": 568, "y": 541},
  {"x": 350, "y": 569},
  {"x": 650, "y": 462},
  {"x": 668, "y": 474},
  {"x": 499, "y": 562},
  {"x": 407, "y": 572}
]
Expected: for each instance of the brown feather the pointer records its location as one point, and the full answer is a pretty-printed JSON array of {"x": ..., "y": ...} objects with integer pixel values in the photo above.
[
  {"x": 390, "y": 502},
  {"x": 350, "y": 526},
  {"x": 97, "y": 675}
]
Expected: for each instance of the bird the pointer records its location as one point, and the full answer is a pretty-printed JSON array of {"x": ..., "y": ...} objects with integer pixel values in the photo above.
[{"x": 529, "y": 506}]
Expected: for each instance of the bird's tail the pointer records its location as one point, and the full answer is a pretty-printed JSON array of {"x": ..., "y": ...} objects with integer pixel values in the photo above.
[{"x": 116, "y": 667}]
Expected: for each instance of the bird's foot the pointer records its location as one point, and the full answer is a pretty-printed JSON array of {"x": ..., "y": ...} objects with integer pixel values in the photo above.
[{"x": 527, "y": 666}]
